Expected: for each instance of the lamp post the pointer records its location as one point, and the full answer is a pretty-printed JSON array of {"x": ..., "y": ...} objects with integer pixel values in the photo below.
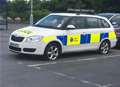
[{"x": 31, "y": 13}]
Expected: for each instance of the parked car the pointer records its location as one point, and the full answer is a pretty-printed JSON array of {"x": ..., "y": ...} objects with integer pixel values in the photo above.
[
  {"x": 115, "y": 20},
  {"x": 59, "y": 33}
]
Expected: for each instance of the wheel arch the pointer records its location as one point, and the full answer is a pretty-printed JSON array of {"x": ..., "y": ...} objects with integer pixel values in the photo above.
[
  {"x": 107, "y": 41},
  {"x": 54, "y": 42}
]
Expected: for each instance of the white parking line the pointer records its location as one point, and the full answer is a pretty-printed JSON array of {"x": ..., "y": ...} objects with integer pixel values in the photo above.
[
  {"x": 43, "y": 64},
  {"x": 74, "y": 78},
  {"x": 19, "y": 63},
  {"x": 38, "y": 66},
  {"x": 72, "y": 61}
]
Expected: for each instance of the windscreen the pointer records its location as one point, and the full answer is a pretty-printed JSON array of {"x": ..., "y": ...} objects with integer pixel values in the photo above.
[{"x": 52, "y": 21}]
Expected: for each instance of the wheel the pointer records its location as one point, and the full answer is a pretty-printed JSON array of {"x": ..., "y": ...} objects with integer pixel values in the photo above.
[
  {"x": 52, "y": 52},
  {"x": 104, "y": 47}
]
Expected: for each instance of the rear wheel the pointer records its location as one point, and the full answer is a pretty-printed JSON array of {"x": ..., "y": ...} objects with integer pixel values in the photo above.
[
  {"x": 52, "y": 51},
  {"x": 104, "y": 47}
]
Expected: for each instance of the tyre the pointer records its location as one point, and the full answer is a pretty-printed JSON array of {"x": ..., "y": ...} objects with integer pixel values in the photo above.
[
  {"x": 118, "y": 44},
  {"x": 52, "y": 51},
  {"x": 104, "y": 47}
]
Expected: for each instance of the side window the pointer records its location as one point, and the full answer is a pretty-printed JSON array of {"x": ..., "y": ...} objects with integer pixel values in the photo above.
[
  {"x": 103, "y": 24},
  {"x": 116, "y": 19},
  {"x": 78, "y": 22},
  {"x": 92, "y": 22}
]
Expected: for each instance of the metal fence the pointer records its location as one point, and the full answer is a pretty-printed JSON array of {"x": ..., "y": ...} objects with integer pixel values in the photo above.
[{"x": 3, "y": 15}]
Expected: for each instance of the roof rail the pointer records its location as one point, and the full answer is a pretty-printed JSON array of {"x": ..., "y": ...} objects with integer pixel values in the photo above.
[{"x": 79, "y": 11}]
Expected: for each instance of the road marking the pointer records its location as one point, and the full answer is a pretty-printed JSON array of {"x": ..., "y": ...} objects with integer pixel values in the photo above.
[
  {"x": 91, "y": 83},
  {"x": 43, "y": 64},
  {"x": 74, "y": 78},
  {"x": 19, "y": 63},
  {"x": 108, "y": 85},
  {"x": 72, "y": 61},
  {"x": 37, "y": 68}
]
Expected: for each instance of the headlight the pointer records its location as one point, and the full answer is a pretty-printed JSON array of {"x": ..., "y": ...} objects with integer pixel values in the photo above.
[{"x": 34, "y": 39}]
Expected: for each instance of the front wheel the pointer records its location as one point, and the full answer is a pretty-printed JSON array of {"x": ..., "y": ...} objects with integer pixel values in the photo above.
[
  {"x": 52, "y": 52},
  {"x": 104, "y": 47}
]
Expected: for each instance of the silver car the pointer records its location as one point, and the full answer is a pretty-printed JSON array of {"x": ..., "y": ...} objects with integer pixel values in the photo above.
[{"x": 115, "y": 20}]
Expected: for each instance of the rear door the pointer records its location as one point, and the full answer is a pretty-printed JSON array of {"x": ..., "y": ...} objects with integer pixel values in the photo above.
[
  {"x": 99, "y": 30},
  {"x": 79, "y": 37},
  {"x": 88, "y": 33}
]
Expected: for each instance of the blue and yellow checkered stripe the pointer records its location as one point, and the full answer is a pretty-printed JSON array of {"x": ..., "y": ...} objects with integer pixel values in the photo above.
[{"x": 77, "y": 39}]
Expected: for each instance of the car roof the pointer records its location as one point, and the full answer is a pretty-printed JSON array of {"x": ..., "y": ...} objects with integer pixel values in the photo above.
[{"x": 75, "y": 14}]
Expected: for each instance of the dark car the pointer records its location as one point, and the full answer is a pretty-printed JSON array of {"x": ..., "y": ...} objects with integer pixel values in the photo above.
[{"x": 115, "y": 20}]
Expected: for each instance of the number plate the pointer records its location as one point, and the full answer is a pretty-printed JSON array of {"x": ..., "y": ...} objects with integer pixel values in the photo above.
[{"x": 14, "y": 44}]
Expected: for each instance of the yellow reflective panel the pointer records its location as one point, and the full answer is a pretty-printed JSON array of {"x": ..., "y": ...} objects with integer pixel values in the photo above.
[
  {"x": 48, "y": 39},
  {"x": 112, "y": 35},
  {"x": 26, "y": 32},
  {"x": 73, "y": 39},
  {"x": 95, "y": 38}
]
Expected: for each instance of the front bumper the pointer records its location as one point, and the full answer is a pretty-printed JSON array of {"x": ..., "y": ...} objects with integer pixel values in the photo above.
[{"x": 36, "y": 48}]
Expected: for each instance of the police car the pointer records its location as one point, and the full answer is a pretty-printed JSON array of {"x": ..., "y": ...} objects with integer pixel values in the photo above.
[{"x": 59, "y": 33}]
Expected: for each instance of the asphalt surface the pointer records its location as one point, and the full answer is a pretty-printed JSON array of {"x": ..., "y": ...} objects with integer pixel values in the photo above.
[{"x": 81, "y": 69}]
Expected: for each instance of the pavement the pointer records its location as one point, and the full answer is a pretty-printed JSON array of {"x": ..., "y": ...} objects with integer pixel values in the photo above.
[{"x": 80, "y": 69}]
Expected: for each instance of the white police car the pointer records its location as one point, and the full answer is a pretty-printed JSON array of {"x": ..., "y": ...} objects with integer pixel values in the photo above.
[{"x": 58, "y": 33}]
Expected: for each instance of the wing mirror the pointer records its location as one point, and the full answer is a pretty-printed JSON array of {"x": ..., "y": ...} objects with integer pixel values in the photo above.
[{"x": 71, "y": 27}]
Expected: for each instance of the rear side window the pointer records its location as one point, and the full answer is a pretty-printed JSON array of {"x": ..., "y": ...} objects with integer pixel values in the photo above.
[
  {"x": 97, "y": 23},
  {"x": 92, "y": 22},
  {"x": 103, "y": 24}
]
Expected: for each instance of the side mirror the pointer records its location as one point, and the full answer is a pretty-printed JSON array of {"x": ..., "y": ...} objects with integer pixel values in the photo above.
[
  {"x": 115, "y": 24},
  {"x": 71, "y": 27}
]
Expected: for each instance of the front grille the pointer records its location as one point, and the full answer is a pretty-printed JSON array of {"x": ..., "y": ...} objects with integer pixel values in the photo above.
[
  {"x": 17, "y": 38},
  {"x": 14, "y": 48}
]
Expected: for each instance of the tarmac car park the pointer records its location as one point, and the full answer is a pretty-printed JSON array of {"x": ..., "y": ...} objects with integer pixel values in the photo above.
[
  {"x": 115, "y": 20},
  {"x": 59, "y": 33}
]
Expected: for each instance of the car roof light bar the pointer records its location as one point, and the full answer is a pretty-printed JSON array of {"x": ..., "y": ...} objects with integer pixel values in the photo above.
[{"x": 79, "y": 11}]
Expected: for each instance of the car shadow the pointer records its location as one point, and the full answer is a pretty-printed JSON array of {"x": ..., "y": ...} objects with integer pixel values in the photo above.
[
  {"x": 30, "y": 57},
  {"x": 72, "y": 55}
]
